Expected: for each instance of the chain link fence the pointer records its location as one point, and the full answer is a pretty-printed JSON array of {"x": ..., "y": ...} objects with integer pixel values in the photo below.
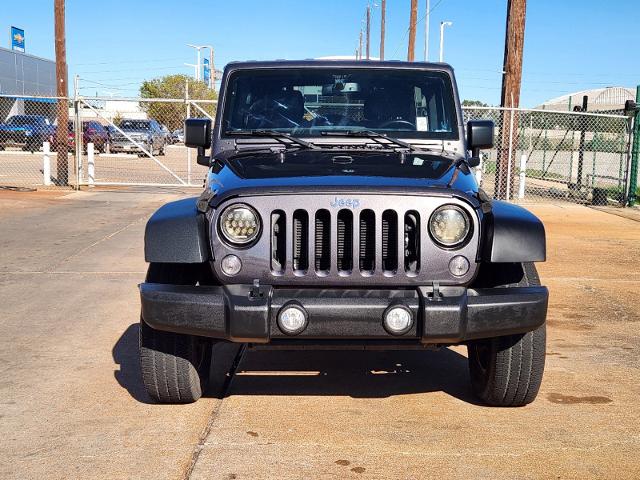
[
  {"x": 28, "y": 130},
  {"x": 145, "y": 142},
  {"x": 538, "y": 155},
  {"x": 109, "y": 141}
]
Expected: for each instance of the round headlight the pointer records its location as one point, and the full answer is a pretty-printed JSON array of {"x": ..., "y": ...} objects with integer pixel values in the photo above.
[
  {"x": 449, "y": 225},
  {"x": 239, "y": 224}
]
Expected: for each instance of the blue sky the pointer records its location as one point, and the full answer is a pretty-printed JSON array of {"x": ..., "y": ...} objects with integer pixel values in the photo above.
[{"x": 113, "y": 45}]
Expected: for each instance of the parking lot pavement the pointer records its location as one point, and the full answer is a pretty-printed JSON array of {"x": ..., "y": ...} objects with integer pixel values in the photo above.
[
  {"x": 72, "y": 406},
  {"x": 25, "y": 168}
]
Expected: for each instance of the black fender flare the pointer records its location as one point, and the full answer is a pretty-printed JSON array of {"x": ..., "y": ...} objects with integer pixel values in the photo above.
[
  {"x": 513, "y": 235},
  {"x": 177, "y": 233}
]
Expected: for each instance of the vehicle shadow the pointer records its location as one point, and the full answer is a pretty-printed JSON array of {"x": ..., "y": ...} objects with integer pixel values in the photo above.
[
  {"x": 125, "y": 354},
  {"x": 358, "y": 374}
]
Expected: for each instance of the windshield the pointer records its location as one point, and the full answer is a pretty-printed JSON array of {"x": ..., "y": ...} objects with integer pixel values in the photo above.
[
  {"x": 307, "y": 102},
  {"x": 134, "y": 125},
  {"x": 307, "y": 163}
]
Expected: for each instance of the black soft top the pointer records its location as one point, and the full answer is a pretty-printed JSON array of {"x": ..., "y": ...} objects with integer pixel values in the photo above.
[{"x": 324, "y": 63}]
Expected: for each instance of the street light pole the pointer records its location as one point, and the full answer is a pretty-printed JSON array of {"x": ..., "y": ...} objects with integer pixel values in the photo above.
[
  {"x": 195, "y": 69},
  {"x": 383, "y": 21},
  {"x": 198, "y": 48},
  {"x": 212, "y": 68},
  {"x": 442, "y": 25},
  {"x": 199, "y": 63},
  {"x": 426, "y": 32},
  {"x": 368, "y": 32}
]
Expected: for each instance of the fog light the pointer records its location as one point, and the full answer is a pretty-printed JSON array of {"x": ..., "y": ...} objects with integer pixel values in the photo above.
[
  {"x": 231, "y": 265},
  {"x": 397, "y": 320},
  {"x": 292, "y": 319},
  {"x": 459, "y": 266}
]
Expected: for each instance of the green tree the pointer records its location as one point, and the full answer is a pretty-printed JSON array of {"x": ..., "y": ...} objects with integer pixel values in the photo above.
[
  {"x": 473, "y": 103},
  {"x": 173, "y": 114},
  {"x": 117, "y": 118}
]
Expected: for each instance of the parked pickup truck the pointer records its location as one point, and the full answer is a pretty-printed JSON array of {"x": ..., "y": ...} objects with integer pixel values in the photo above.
[
  {"x": 28, "y": 132},
  {"x": 144, "y": 137},
  {"x": 340, "y": 210}
]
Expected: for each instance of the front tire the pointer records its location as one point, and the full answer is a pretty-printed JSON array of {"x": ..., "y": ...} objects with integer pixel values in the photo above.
[
  {"x": 507, "y": 371},
  {"x": 175, "y": 367}
]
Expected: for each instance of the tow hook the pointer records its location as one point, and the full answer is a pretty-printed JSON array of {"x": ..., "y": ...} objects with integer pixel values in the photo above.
[{"x": 435, "y": 296}]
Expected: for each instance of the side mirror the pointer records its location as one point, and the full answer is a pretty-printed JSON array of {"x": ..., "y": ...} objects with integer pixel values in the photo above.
[
  {"x": 630, "y": 107},
  {"x": 197, "y": 134},
  {"x": 479, "y": 137}
]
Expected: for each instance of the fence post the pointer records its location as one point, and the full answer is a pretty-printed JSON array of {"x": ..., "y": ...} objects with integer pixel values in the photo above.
[
  {"x": 510, "y": 154},
  {"x": 91, "y": 167},
  {"x": 77, "y": 132},
  {"x": 46, "y": 164},
  {"x": 186, "y": 99},
  {"x": 546, "y": 143},
  {"x": 635, "y": 153},
  {"x": 523, "y": 175},
  {"x": 585, "y": 101}
]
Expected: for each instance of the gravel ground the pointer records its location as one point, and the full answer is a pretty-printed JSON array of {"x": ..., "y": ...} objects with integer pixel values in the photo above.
[{"x": 71, "y": 403}]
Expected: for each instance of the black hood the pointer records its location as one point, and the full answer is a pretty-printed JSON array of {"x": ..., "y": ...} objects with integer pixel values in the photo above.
[{"x": 227, "y": 181}]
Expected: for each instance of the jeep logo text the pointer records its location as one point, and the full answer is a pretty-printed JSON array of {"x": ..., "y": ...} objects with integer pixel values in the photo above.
[{"x": 345, "y": 203}]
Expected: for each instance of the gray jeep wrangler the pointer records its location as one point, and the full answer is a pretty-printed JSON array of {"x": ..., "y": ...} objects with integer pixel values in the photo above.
[{"x": 340, "y": 211}]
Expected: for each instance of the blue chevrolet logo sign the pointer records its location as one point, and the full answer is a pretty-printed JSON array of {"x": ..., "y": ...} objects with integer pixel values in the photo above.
[{"x": 17, "y": 39}]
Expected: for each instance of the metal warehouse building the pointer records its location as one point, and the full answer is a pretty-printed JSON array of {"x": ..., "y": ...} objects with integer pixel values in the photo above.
[
  {"x": 608, "y": 99},
  {"x": 24, "y": 78}
]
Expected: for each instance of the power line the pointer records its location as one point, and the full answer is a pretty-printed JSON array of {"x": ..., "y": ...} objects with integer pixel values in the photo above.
[
  {"x": 111, "y": 62},
  {"x": 129, "y": 69}
]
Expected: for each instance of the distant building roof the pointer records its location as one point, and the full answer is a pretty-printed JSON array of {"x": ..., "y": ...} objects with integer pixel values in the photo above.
[{"x": 600, "y": 99}]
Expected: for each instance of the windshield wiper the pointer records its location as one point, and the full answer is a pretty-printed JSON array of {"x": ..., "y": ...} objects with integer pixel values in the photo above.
[{"x": 280, "y": 137}]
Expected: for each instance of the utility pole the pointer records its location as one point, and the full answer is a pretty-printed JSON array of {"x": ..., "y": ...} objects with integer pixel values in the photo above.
[
  {"x": 413, "y": 20},
  {"x": 368, "y": 32},
  {"x": 62, "y": 133},
  {"x": 511, "y": 82},
  {"x": 426, "y": 31},
  {"x": 360, "y": 48},
  {"x": 383, "y": 20}
]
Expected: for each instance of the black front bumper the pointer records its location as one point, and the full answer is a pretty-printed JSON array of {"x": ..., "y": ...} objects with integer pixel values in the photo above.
[{"x": 243, "y": 313}]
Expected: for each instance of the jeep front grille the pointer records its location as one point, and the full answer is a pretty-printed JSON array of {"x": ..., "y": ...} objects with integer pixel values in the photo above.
[
  {"x": 312, "y": 240},
  {"x": 376, "y": 236}
]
